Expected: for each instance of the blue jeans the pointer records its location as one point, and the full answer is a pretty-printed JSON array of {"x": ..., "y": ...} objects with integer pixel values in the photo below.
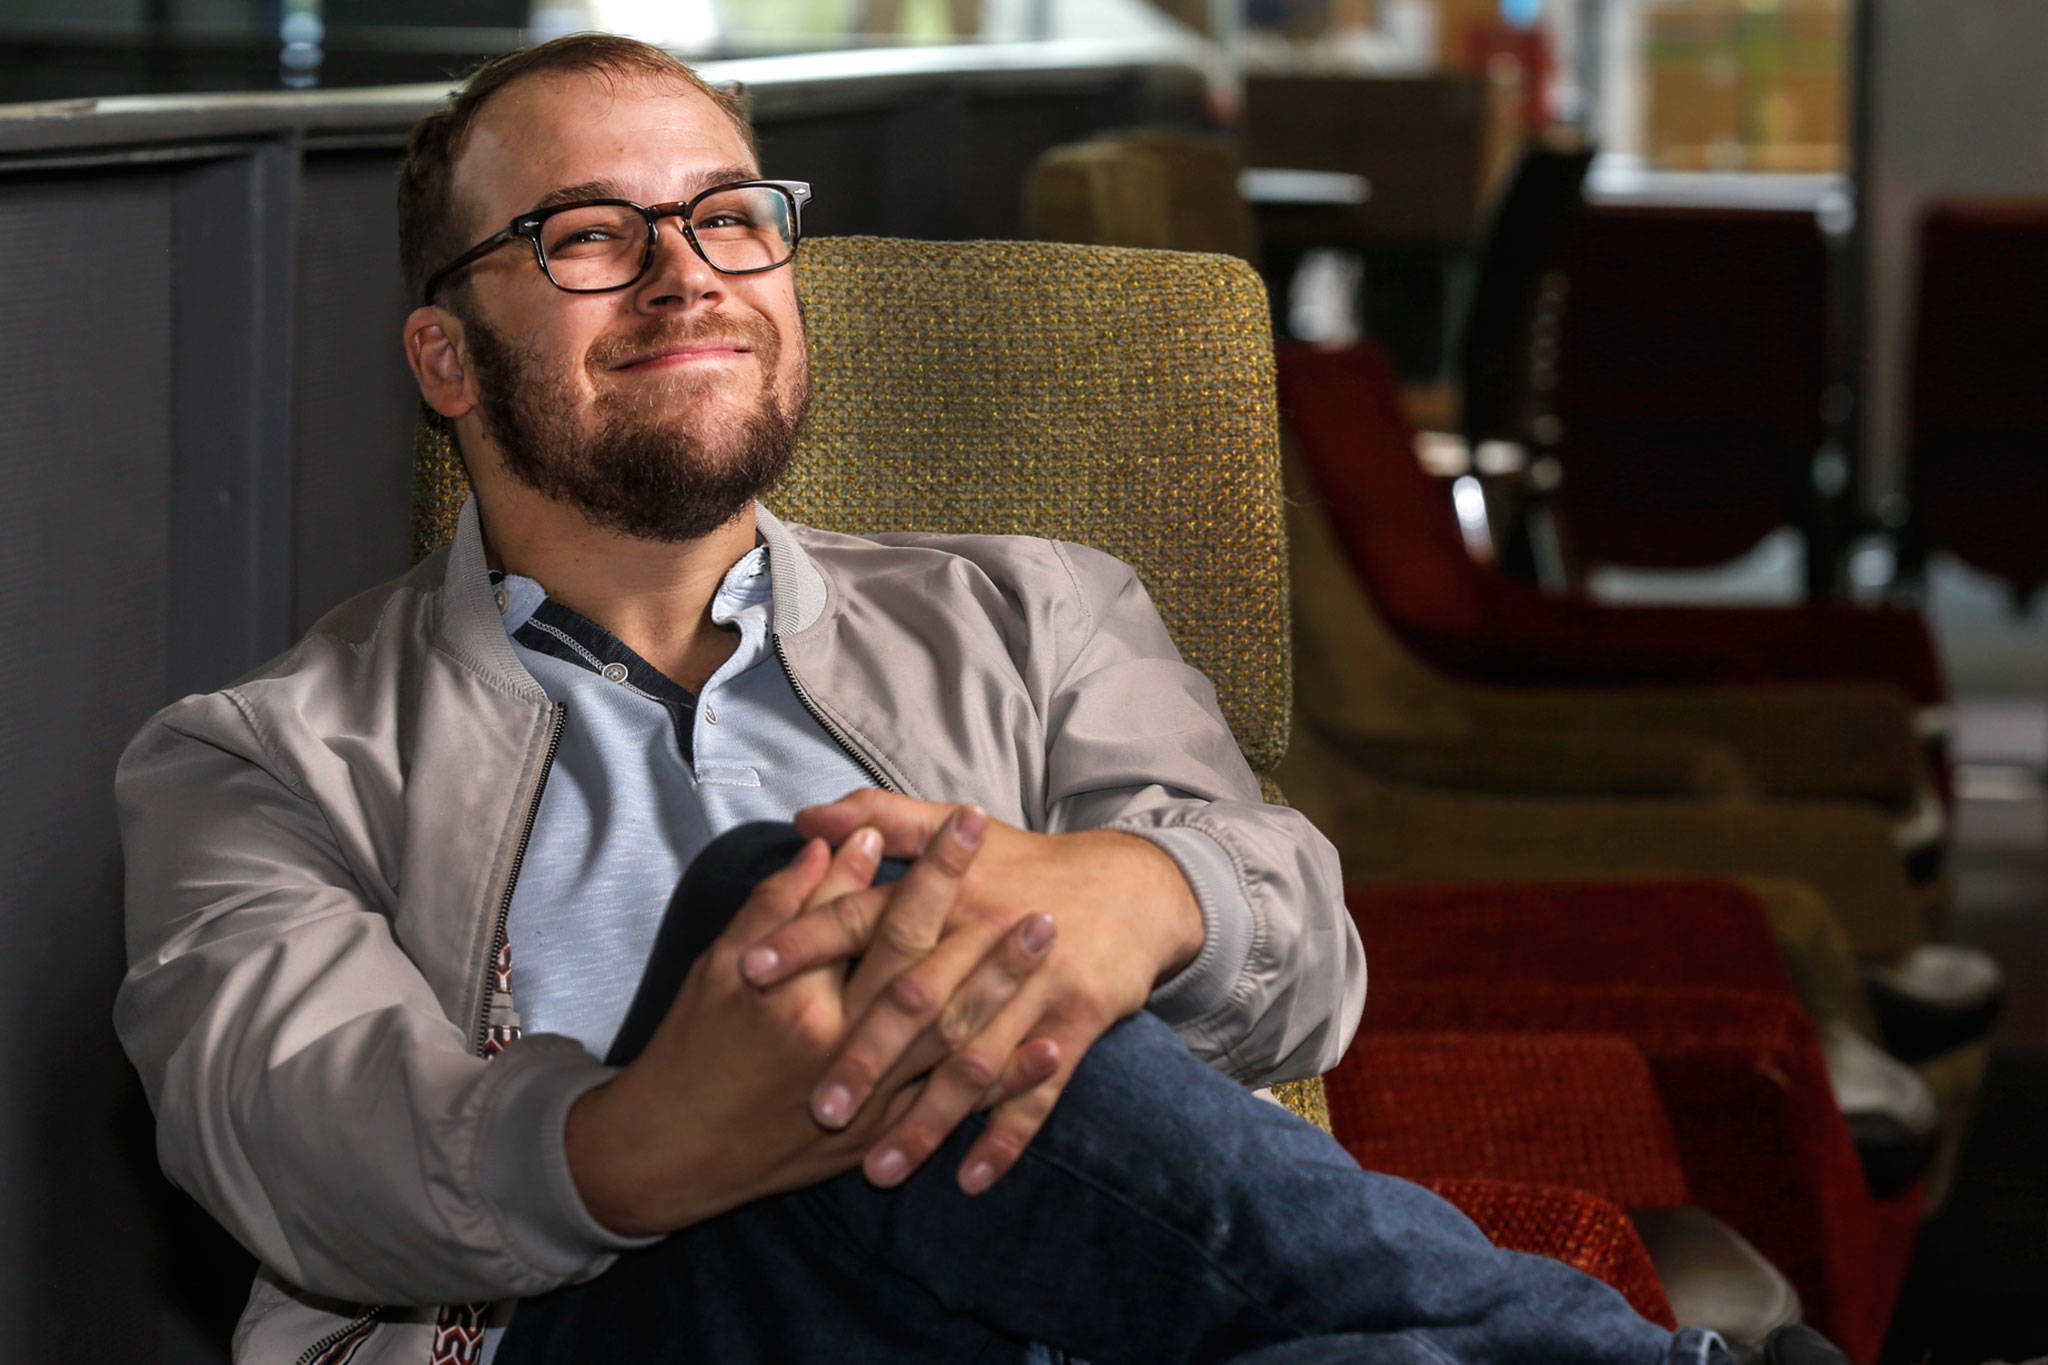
[{"x": 1163, "y": 1213}]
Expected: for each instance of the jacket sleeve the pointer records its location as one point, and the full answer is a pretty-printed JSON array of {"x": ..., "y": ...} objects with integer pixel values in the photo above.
[
  {"x": 310, "y": 1090},
  {"x": 1136, "y": 742}
]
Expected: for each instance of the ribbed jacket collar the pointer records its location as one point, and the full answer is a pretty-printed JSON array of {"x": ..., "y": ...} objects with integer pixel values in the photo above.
[{"x": 474, "y": 625}]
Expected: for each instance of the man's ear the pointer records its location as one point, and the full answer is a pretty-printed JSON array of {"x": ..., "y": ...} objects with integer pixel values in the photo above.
[{"x": 433, "y": 349}]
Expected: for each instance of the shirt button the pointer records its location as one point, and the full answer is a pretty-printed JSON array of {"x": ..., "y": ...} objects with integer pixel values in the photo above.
[
  {"x": 615, "y": 672},
  {"x": 499, "y": 596},
  {"x": 710, "y": 716}
]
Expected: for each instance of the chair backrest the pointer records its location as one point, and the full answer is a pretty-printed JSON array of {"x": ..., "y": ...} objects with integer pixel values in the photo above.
[
  {"x": 1119, "y": 398},
  {"x": 1143, "y": 187},
  {"x": 1098, "y": 194},
  {"x": 1691, "y": 369},
  {"x": 1500, "y": 383},
  {"x": 1397, "y": 528},
  {"x": 1429, "y": 145},
  {"x": 1205, "y": 205},
  {"x": 1980, "y": 386}
]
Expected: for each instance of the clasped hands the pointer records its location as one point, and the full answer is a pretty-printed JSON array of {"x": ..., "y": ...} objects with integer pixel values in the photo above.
[{"x": 983, "y": 975}]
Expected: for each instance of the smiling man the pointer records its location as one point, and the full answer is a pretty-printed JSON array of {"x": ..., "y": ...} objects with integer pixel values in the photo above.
[{"x": 718, "y": 939}]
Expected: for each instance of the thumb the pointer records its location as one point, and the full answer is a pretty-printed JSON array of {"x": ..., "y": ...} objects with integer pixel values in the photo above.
[{"x": 778, "y": 897}]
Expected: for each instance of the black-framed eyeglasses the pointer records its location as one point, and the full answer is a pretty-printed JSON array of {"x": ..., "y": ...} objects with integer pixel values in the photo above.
[{"x": 595, "y": 246}]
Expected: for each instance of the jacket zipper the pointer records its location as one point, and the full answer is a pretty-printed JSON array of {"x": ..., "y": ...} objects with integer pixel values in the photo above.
[
  {"x": 483, "y": 1024},
  {"x": 480, "y": 1036},
  {"x": 867, "y": 765},
  {"x": 337, "y": 1336}
]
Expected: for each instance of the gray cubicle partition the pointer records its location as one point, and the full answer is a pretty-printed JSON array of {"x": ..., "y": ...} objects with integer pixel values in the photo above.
[{"x": 204, "y": 432}]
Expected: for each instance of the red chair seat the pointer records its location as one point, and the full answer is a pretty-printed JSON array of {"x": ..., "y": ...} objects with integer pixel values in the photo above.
[
  {"x": 1547, "y": 1109},
  {"x": 1580, "y": 1229}
]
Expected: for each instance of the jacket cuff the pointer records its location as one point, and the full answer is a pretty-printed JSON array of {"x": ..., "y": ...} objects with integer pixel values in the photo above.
[
  {"x": 525, "y": 1167},
  {"x": 1206, "y": 983}
]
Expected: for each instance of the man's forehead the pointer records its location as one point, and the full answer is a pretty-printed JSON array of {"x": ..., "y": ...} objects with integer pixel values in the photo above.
[{"x": 569, "y": 128}]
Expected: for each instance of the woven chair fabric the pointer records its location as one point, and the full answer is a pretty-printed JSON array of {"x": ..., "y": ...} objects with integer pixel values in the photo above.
[
  {"x": 1581, "y": 1111},
  {"x": 1385, "y": 833},
  {"x": 1583, "y": 1230}
]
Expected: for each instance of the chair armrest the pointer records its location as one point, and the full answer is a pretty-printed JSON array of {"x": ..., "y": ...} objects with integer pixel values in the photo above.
[
  {"x": 1806, "y": 740},
  {"x": 1527, "y": 763},
  {"x": 1386, "y": 832}
]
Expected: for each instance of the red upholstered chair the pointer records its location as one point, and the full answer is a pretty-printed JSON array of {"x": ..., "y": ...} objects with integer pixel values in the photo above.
[
  {"x": 1541, "y": 1141},
  {"x": 1980, "y": 407},
  {"x": 1681, "y": 976},
  {"x": 1544, "y": 1106},
  {"x": 1760, "y": 1141},
  {"x": 1686, "y": 973},
  {"x": 1398, "y": 531}
]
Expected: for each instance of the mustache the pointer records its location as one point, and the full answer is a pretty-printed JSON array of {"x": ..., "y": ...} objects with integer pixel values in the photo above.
[{"x": 753, "y": 333}]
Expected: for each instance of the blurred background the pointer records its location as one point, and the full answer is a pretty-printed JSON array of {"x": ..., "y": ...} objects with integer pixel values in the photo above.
[{"x": 1679, "y": 302}]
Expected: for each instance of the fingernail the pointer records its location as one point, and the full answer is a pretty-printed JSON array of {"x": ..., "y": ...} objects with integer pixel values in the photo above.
[
  {"x": 970, "y": 825},
  {"x": 978, "y": 1176},
  {"x": 1037, "y": 934},
  {"x": 867, "y": 842},
  {"x": 1039, "y": 1059},
  {"x": 888, "y": 1168},
  {"x": 833, "y": 1105},
  {"x": 758, "y": 963}
]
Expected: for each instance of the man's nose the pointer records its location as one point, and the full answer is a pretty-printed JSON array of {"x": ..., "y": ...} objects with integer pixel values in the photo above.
[{"x": 677, "y": 273}]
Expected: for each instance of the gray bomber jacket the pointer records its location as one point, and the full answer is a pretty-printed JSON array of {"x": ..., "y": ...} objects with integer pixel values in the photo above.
[{"x": 319, "y": 857}]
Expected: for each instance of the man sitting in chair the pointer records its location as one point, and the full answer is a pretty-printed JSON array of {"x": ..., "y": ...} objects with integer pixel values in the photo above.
[{"x": 888, "y": 1076}]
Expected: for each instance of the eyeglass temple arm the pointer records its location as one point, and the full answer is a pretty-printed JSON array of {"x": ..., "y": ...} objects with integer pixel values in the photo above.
[{"x": 477, "y": 252}]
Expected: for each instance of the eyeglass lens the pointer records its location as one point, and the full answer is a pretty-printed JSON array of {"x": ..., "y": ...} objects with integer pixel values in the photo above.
[{"x": 604, "y": 246}]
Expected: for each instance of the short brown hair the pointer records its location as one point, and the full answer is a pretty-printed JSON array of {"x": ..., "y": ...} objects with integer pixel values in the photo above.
[{"x": 430, "y": 230}]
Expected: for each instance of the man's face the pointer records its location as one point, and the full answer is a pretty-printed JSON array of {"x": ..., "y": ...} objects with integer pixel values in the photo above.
[{"x": 660, "y": 410}]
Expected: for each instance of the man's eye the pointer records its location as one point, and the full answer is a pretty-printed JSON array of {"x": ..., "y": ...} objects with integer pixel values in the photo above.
[{"x": 725, "y": 218}]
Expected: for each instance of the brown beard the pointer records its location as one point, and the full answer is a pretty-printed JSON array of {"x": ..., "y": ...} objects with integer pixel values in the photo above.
[{"x": 640, "y": 473}]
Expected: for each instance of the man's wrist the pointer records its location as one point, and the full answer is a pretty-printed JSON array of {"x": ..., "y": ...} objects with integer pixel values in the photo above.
[
  {"x": 1167, "y": 900},
  {"x": 1206, "y": 980},
  {"x": 524, "y": 1167},
  {"x": 611, "y": 1161}
]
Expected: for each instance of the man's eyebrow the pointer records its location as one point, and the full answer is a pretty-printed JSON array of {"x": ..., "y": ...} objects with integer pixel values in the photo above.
[
  {"x": 609, "y": 189},
  {"x": 588, "y": 189}
]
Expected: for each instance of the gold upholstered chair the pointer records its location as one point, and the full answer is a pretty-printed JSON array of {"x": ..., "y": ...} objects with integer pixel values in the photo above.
[
  {"x": 1123, "y": 399},
  {"x": 1116, "y": 397}
]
